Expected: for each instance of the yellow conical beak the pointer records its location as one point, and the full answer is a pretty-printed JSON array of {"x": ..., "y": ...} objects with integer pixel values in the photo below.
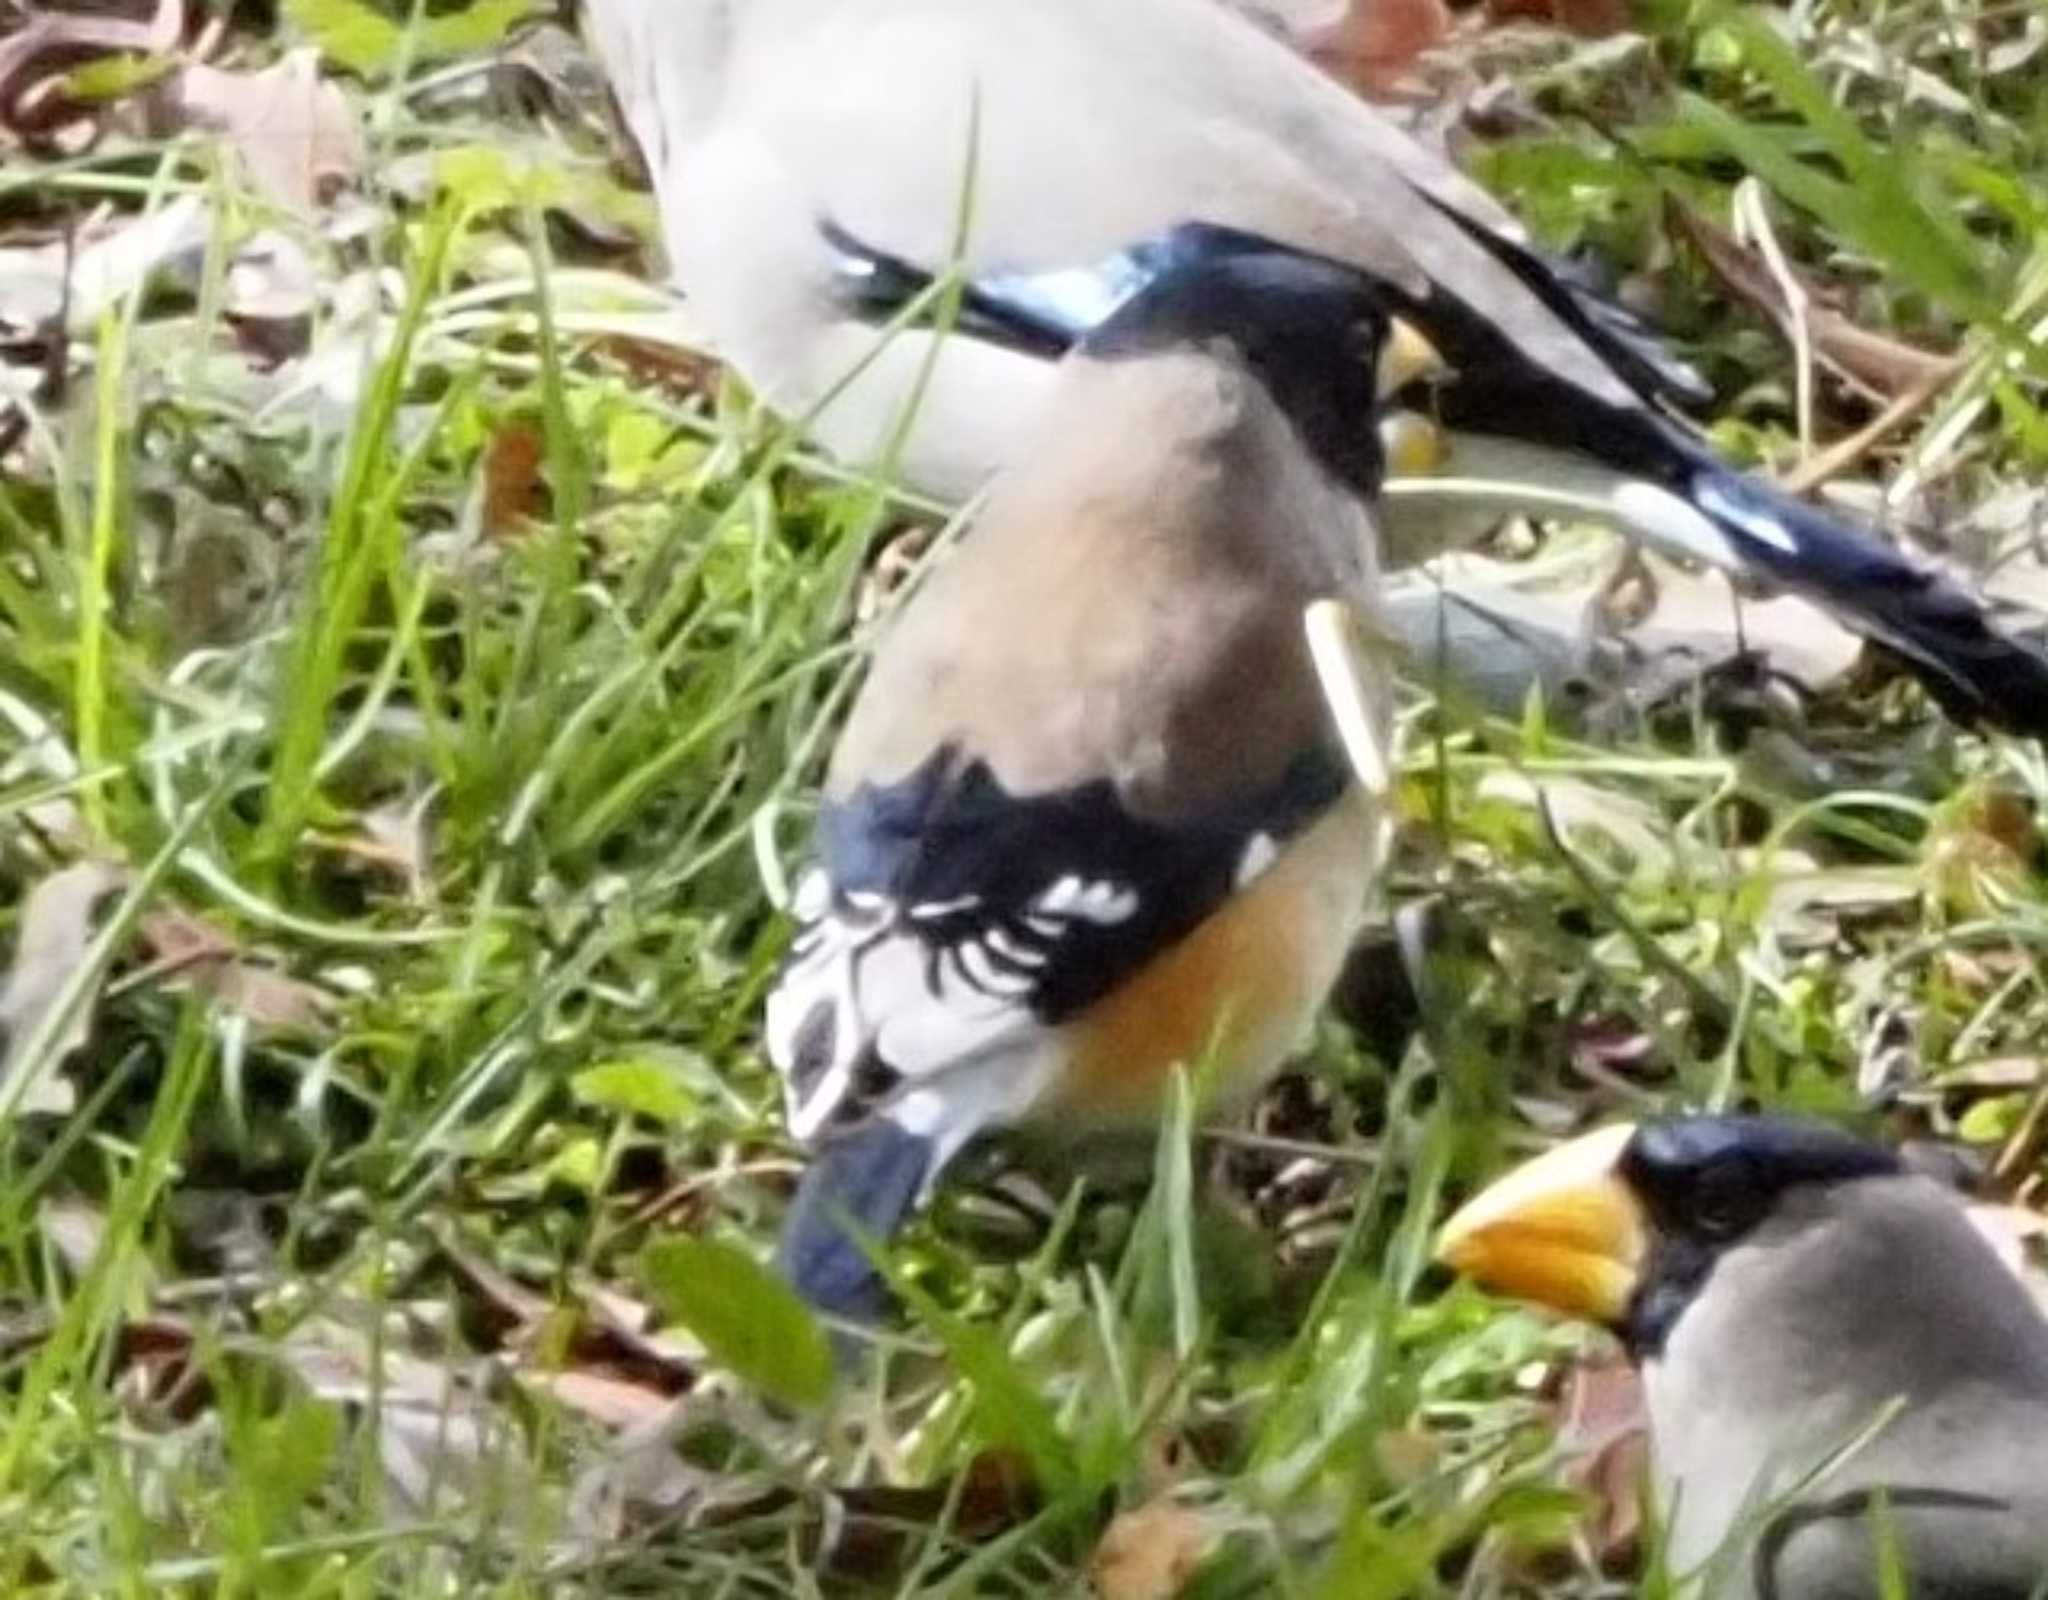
[
  {"x": 1405, "y": 357},
  {"x": 1564, "y": 1230},
  {"x": 1411, "y": 445}
]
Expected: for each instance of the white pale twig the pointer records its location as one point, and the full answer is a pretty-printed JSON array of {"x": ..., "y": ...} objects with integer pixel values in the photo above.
[
  {"x": 1335, "y": 648},
  {"x": 1753, "y": 227}
]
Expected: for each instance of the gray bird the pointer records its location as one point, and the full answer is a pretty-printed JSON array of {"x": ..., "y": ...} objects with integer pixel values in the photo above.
[
  {"x": 1091, "y": 815},
  {"x": 1841, "y": 1374},
  {"x": 816, "y": 161}
]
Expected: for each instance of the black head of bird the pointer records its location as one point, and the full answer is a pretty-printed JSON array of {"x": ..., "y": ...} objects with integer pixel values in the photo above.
[
  {"x": 1316, "y": 334},
  {"x": 1812, "y": 1321}
]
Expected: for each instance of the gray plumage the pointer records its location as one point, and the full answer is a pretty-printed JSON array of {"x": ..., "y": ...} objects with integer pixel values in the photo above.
[
  {"x": 1087, "y": 125},
  {"x": 1045, "y": 137},
  {"x": 1851, "y": 1298}
]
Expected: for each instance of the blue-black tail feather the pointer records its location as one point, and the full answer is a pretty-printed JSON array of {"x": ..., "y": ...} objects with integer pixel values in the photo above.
[
  {"x": 874, "y": 286},
  {"x": 1940, "y": 629},
  {"x": 860, "y": 1184}
]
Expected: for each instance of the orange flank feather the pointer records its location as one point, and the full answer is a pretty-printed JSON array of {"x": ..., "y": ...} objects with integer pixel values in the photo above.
[{"x": 1245, "y": 984}]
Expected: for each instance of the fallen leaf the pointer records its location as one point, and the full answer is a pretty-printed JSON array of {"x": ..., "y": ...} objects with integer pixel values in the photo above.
[
  {"x": 643, "y": 1476},
  {"x": 512, "y": 479},
  {"x": 1152, "y": 1552},
  {"x": 1375, "y": 41},
  {"x": 1791, "y": 636},
  {"x": 155, "y": 1376},
  {"x": 1603, "y": 1427},
  {"x": 55, "y": 928},
  {"x": 438, "y": 1441},
  {"x": 394, "y": 839},
  {"x": 1480, "y": 635},
  {"x": 608, "y": 1401},
  {"x": 270, "y": 296},
  {"x": 296, "y": 134},
  {"x": 514, "y": 1308},
  {"x": 103, "y": 266},
  {"x": 1805, "y": 905},
  {"x": 190, "y": 950}
]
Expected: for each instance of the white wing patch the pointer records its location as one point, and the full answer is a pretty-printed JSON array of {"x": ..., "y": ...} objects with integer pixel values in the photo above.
[
  {"x": 874, "y": 1004},
  {"x": 1261, "y": 850},
  {"x": 1100, "y": 902}
]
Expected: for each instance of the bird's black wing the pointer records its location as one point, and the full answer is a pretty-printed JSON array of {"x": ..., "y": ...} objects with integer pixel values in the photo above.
[{"x": 947, "y": 919}]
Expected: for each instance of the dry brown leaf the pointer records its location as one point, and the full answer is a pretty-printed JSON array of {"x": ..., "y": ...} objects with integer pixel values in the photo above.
[
  {"x": 296, "y": 134},
  {"x": 515, "y": 1308},
  {"x": 1375, "y": 41},
  {"x": 1152, "y": 1552},
  {"x": 611, "y": 1402},
  {"x": 55, "y": 928},
  {"x": 270, "y": 296},
  {"x": 188, "y": 947},
  {"x": 271, "y": 1001},
  {"x": 1604, "y": 1428},
  {"x": 438, "y": 1439},
  {"x": 512, "y": 479},
  {"x": 1796, "y": 638},
  {"x": 157, "y": 1379},
  {"x": 105, "y": 261}
]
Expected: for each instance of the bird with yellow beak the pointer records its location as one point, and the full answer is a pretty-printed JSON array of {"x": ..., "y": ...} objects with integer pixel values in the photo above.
[{"x": 1845, "y": 1384}]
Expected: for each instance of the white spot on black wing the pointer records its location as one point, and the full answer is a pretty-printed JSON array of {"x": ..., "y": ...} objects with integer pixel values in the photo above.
[{"x": 1260, "y": 852}]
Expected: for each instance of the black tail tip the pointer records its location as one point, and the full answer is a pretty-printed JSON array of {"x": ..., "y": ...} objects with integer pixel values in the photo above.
[{"x": 858, "y": 1188}]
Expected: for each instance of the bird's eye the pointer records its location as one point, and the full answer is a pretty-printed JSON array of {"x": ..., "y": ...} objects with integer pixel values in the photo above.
[{"x": 1724, "y": 1201}]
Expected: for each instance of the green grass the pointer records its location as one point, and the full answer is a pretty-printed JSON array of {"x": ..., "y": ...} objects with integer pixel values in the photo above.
[{"x": 462, "y": 707}]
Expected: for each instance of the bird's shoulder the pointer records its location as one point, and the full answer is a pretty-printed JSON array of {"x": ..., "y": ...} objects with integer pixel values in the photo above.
[{"x": 1127, "y": 607}]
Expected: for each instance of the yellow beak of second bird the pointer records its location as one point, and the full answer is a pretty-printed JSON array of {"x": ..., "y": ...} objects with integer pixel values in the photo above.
[{"x": 1564, "y": 1230}]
